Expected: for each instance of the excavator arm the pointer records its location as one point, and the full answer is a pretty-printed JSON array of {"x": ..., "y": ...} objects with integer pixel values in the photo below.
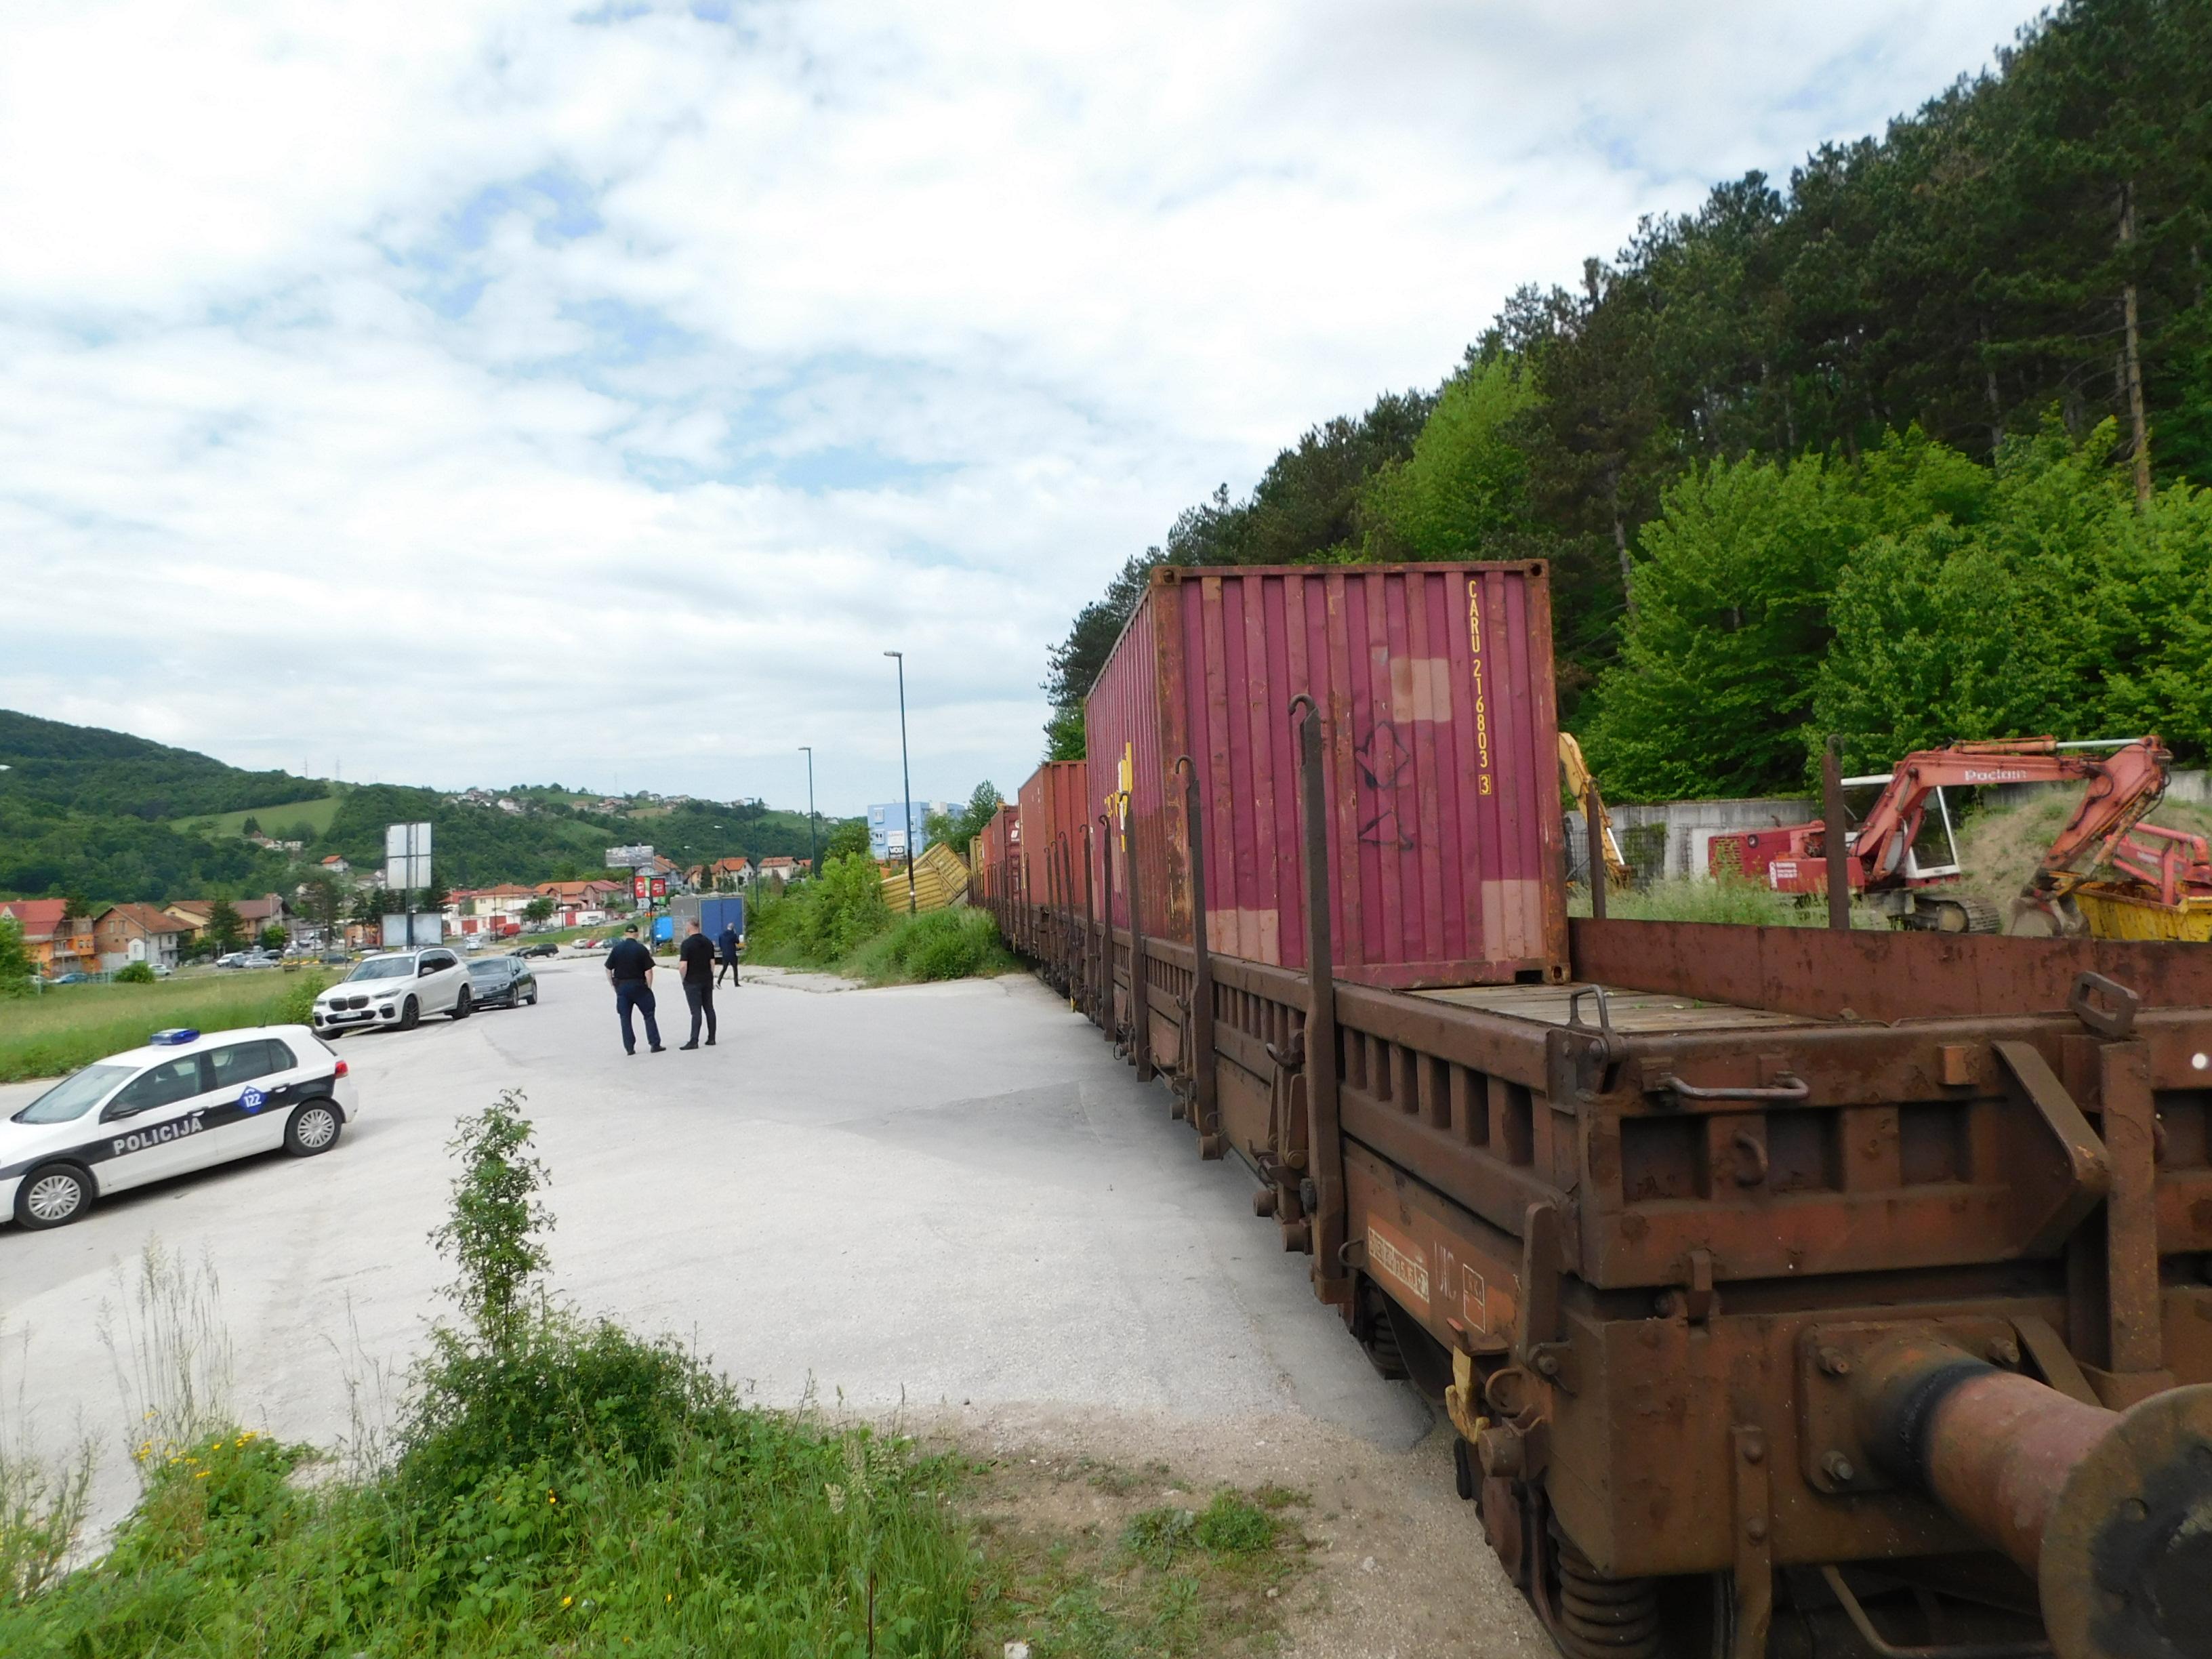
[
  {"x": 2120, "y": 788},
  {"x": 1583, "y": 787}
]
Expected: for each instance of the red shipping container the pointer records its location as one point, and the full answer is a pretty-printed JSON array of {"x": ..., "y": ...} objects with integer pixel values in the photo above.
[
  {"x": 1053, "y": 805},
  {"x": 1440, "y": 750}
]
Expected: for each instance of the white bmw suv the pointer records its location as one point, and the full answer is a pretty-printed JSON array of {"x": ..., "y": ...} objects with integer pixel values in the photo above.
[
  {"x": 395, "y": 990},
  {"x": 182, "y": 1102}
]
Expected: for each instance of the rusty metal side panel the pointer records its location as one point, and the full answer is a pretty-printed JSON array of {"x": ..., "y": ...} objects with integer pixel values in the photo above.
[
  {"x": 1030, "y": 800},
  {"x": 1124, "y": 738},
  {"x": 1051, "y": 804},
  {"x": 1440, "y": 738},
  {"x": 1880, "y": 975}
]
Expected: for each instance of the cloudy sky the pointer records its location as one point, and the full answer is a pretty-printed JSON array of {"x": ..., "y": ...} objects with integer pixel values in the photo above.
[{"x": 483, "y": 390}]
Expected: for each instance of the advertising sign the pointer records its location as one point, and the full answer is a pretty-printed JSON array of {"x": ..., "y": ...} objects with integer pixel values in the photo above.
[
  {"x": 640, "y": 888},
  {"x": 429, "y": 929},
  {"x": 629, "y": 857},
  {"x": 406, "y": 856},
  {"x": 659, "y": 889}
]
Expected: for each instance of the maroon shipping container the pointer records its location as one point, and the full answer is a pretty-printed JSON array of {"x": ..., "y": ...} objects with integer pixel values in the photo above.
[
  {"x": 1052, "y": 806},
  {"x": 1440, "y": 747}
]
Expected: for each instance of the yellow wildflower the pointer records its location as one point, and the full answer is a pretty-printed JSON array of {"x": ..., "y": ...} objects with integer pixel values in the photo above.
[{"x": 566, "y": 1599}]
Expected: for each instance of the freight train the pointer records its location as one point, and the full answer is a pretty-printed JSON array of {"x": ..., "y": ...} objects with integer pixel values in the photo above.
[{"x": 1787, "y": 1291}]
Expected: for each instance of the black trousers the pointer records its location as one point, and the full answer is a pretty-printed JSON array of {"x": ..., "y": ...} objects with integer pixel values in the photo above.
[
  {"x": 699, "y": 993},
  {"x": 636, "y": 994},
  {"x": 728, "y": 965}
]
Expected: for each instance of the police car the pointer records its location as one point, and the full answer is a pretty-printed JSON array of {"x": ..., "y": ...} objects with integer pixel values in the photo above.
[{"x": 182, "y": 1102}]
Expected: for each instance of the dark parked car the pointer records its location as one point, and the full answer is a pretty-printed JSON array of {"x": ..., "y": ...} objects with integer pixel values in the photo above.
[
  {"x": 541, "y": 949},
  {"x": 503, "y": 982}
]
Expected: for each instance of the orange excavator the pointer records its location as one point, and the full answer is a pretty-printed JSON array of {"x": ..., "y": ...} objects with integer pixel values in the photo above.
[{"x": 2119, "y": 788}]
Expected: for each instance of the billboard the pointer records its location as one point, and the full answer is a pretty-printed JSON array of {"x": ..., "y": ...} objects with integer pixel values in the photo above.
[
  {"x": 406, "y": 856},
  {"x": 429, "y": 929},
  {"x": 640, "y": 887},
  {"x": 629, "y": 857}
]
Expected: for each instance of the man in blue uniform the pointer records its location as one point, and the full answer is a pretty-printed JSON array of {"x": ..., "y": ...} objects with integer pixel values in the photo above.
[{"x": 629, "y": 971}]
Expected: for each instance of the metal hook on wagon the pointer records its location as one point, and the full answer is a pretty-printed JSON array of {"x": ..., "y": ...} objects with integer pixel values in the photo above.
[{"x": 1305, "y": 697}]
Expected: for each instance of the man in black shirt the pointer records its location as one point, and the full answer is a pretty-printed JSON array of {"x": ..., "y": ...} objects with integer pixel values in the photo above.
[
  {"x": 629, "y": 971},
  {"x": 697, "y": 955}
]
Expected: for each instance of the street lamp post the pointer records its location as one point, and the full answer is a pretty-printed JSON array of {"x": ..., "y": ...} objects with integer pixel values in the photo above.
[
  {"x": 906, "y": 782},
  {"x": 808, "y": 749}
]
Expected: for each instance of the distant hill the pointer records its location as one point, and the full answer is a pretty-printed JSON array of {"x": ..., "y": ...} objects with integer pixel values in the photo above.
[
  {"x": 109, "y": 817},
  {"x": 83, "y": 769}
]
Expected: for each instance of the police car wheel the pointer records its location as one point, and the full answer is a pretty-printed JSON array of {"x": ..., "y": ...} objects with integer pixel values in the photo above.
[
  {"x": 53, "y": 1196},
  {"x": 410, "y": 1016},
  {"x": 460, "y": 1010},
  {"x": 313, "y": 1128},
  {"x": 533, "y": 998}
]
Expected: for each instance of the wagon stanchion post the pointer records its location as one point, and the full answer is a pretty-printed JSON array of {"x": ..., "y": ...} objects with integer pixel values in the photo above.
[
  {"x": 1141, "y": 1011},
  {"x": 1205, "y": 1110},
  {"x": 1106, "y": 925},
  {"x": 1331, "y": 1281},
  {"x": 1832, "y": 835},
  {"x": 1090, "y": 930},
  {"x": 1593, "y": 832},
  {"x": 1072, "y": 945},
  {"x": 1071, "y": 936}
]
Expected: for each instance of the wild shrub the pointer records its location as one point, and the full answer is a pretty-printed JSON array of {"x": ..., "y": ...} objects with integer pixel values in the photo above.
[{"x": 135, "y": 973}]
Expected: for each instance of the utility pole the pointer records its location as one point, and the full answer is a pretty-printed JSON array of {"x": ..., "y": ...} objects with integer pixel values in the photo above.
[
  {"x": 906, "y": 782},
  {"x": 807, "y": 749}
]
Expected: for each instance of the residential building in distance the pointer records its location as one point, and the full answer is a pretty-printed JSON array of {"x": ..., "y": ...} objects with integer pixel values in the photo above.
[
  {"x": 782, "y": 869},
  {"x": 55, "y": 947},
  {"x": 487, "y": 909},
  {"x": 254, "y": 913},
  {"x": 722, "y": 873},
  {"x": 579, "y": 903},
  {"x": 126, "y": 934},
  {"x": 335, "y": 865},
  {"x": 886, "y": 840}
]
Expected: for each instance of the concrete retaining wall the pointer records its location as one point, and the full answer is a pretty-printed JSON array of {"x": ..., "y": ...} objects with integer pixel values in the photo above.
[{"x": 1670, "y": 839}]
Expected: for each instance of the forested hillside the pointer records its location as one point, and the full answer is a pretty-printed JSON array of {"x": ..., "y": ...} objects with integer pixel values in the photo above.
[
  {"x": 1908, "y": 449},
  {"x": 75, "y": 803},
  {"x": 83, "y": 769}
]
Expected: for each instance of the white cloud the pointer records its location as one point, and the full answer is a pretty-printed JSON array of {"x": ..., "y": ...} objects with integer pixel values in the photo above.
[{"x": 606, "y": 397}]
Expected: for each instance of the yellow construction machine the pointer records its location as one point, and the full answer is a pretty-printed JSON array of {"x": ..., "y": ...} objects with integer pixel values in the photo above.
[{"x": 1583, "y": 787}]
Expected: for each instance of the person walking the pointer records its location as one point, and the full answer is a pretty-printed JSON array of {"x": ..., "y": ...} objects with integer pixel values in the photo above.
[
  {"x": 629, "y": 971},
  {"x": 697, "y": 956},
  {"x": 728, "y": 942}
]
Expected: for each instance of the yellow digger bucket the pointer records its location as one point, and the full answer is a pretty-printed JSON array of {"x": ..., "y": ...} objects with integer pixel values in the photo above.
[{"x": 2117, "y": 912}]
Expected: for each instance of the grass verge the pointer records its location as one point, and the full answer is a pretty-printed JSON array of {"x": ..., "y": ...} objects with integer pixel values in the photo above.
[
  {"x": 1721, "y": 899},
  {"x": 60, "y": 1029},
  {"x": 841, "y": 925},
  {"x": 1086, "y": 1562}
]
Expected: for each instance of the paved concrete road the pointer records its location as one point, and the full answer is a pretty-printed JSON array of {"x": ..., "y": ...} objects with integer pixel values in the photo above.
[{"x": 932, "y": 1195}]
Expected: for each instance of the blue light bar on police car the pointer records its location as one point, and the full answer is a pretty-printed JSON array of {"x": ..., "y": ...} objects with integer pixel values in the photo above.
[{"x": 174, "y": 1035}]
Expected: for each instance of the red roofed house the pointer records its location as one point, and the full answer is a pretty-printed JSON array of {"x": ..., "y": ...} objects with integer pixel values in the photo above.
[
  {"x": 487, "y": 909},
  {"x": 574, "y": 899},
  {"x": 139, "y": 933},
  {"x": 780, "y": 869},
  {"x": 54, "y": 949}
]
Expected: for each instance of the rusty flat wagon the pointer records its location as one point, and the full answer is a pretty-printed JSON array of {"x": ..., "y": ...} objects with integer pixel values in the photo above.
[{"x": 1788, "y": 1290}]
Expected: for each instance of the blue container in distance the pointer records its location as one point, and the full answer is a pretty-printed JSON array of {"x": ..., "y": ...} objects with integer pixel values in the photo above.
[{"x": 715, "y": 914}]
